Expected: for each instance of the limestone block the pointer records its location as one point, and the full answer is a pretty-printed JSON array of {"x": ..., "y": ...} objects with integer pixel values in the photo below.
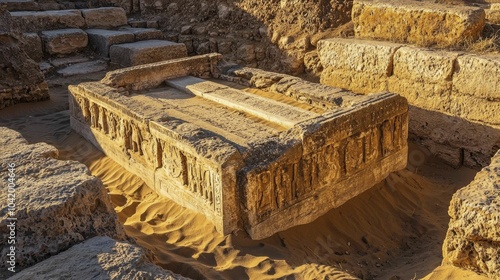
[
  {"x": 477, "y": 75},
  {"x": 358, "y": 65},
  {"x": 32, "y": 46},
  {"x": 251, "y": 159},
  {"x": 101, "y": 39},
  {"x": 21, "y": 5},
  {"x": 473, "y": 238},
  {"x": 21, "y": 79},
  {"x": 423, "y": 77},
  {"x": 142, "y": 34},
  {"x": 101, "y": 257},
  {"x": 64, "y": 41},
  {"x": 47, "y": 20},
  {"x": 143, "y": 52},
  {"x": 154, "y": 74},
  {"x": 417, "y": 22},
  {"x": 107, "y": 17},
  {"x": 57, "y": 202}
]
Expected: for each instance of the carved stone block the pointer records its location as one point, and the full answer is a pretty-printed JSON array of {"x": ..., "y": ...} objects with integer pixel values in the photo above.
[{"x": 262, "y": 160}]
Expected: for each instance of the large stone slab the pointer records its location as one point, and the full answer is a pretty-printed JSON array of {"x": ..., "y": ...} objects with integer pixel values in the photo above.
[
  {"x": 473, "y": 238},
  {"x": 418, "y": 22},
  {"x": 143, "y": 52},
  {"x": 359, "y": 65},
  {"x": 64, "y": 41},
  {"x": 252, "y": 159},
  {"x": 53, "y": 204},
  {"x": 101, "y": 39},
  {"x": 47, "y": 20},
  {"x": 100, "y": 257},
  {"x": 107, "y": 17}
]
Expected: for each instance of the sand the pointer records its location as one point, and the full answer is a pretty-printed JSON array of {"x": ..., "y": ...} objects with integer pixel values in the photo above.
[{"x": 394, "y": 230}]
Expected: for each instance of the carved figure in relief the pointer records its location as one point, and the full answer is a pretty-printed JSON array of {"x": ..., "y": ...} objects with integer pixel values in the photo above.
[
  {"x": 84, "y": 105},
  {"x": 112, "y": 125},
  {"x": 125, "y": 135},
  {"x": 172, "y": 161},
  {"x": 102, "y": 121},
  {"x": 94, "y": 115},
  {"x": 148, "y": 147},
  {"x": 136, "y": 139}
]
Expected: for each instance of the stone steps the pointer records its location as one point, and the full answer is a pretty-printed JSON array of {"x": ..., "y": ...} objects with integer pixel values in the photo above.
[
  {"x": 142, "y": 52},
  {"x": 68, "y": 32},
  {"x": 270, "y": 110},
  {"x": 64, "y": 41}
]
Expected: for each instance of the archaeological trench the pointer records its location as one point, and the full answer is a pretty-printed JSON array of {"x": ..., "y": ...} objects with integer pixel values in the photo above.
[{"x": 250, "y": 139}]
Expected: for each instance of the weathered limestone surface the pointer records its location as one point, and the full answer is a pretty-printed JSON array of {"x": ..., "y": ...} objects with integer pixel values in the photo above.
[
  {"x": 108, "y": 17},
  {"x": 57, "y": 203},
  {"x": 142, "y": 52},
  {"x": 31, "y": 44},
  {"x": 473, "y": 238},
  {"x": 21, "y": 79},
  {"x": 101, "y": 258},
  {"x": 256, "y": 156},
  {"x": 154, "y": 74},
  {"x": 417, "y": 22},
  {"x": 142, "y": 34},
  {"x": 453, "y": 96},
  {"x": 101, "y": 39},
  {"x": 362, "y": 66},
  {"x": 48, "y": 20},
  {"x": 64, "y": 41},
  {"x": 20, "y": 5},
  {"x": 83, "y": 68}
]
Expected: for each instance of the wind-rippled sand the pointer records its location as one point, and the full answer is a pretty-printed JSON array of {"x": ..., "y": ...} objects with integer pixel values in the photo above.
[{"x": 393, "y": 230}]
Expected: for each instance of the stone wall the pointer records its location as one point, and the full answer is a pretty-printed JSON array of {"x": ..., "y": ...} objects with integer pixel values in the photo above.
[
  {"x": 21, "y": 79},
  {"x": 454, "y": 96},
  {"x": 417, "y": 22},
  {"x": 473, "y": 238},
  {"x": 269, "y": 183}
]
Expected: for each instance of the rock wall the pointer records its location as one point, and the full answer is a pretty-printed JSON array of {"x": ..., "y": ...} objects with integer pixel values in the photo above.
[
  {"x": 453, "y": 96},
  {"x": 274, "y": 35},
  {"x": 101, "y": 258},
  {"x": 473, "y": 238},
  {"x": 21, "y": 79},
  {"x": 53, "y": 204}
]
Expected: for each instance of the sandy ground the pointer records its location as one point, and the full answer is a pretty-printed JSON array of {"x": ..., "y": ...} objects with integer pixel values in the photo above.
[{"x": 394, "y": 230}]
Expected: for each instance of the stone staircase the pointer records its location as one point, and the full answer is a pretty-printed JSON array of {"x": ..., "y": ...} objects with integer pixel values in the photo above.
[{"x": 80, "y": 41}]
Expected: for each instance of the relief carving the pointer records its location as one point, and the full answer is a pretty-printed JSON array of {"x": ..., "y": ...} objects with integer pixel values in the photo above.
[
  {"x": 102, "y": 120},
  {"x": 94, "y": 115}
]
